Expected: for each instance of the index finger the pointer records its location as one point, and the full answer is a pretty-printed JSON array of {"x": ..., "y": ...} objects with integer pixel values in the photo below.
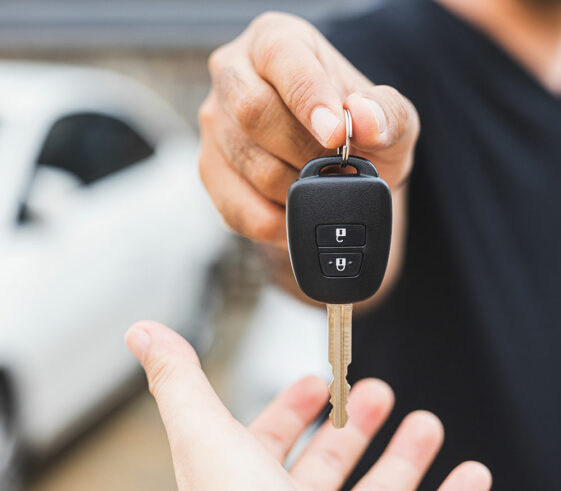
[{"x": 284, "y": 56}]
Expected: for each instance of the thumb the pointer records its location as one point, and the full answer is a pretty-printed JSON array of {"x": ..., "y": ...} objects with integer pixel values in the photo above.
[
  {"x": 187, "y": 403},
  {"x": 382, "y": 118},
  {"x": 210, "y": 449}
]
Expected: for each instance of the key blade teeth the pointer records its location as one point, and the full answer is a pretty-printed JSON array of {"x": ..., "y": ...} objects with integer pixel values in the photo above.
[
  {"x": 338, "y": 421},
  {"x": 338, "y": 414},
  {"x": 339, "y": 319},
  {"x": 334, "y": 392}
]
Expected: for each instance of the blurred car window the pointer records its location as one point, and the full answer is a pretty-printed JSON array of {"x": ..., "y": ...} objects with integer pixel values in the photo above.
[{"x": 92, "y": 146}]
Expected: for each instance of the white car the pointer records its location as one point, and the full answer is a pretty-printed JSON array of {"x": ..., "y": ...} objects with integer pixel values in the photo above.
[{"x": 103, "y": 222}]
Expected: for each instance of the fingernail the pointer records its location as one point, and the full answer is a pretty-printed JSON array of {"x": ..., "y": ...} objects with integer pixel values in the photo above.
[
  {"x": 379, "y": 114},
  {"x": 324, "y": 123},
  {"x": 137, "y": 340}
]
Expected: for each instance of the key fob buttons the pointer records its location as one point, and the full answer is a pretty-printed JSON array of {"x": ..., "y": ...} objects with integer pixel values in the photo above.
[
  {"x": 340, "y": 235},
  {"x": 340, "y": 264},
  {"x": 339, "y": 230}
]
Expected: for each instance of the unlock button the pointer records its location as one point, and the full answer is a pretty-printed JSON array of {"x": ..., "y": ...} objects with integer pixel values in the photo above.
[{"x": 344, "y": 264}]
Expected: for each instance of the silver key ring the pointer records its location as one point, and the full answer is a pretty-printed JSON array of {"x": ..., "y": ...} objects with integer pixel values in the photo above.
[{"x": 346, "y": 148}]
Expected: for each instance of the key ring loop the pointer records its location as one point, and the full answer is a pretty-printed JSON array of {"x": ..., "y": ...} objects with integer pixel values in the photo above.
[{"x": 346, "y": 148}]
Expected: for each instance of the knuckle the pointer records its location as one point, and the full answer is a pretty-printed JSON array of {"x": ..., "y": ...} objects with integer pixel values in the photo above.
[
  {"x": 227, "y": 80},
  {"x": 160, "y": 371},
  {"x": 391, "y": 95},
  {"x": 276, "y": 436},
  {"x": 232, "y": 215},
  {"x": 241, "y": 156},
  {"x": 275, "y": 32},
  {"x": 398, "y": 108},
  {"x": 264, "y": 229},
  {"x": 215, "y": 61},
  {"x": 333, "y": 459},
  {"x": 206, "y": 113},
  {"x": 388, "y": 91},
  {"x": 247, "y": 102},
  {"x": 218, "y": 59},
  {"x": 271, "y": 45},
  {"x": 300, "y": 93},
  {"x": 251, "y": 108},
  {"x": 269, "y": 177},
  {"x": 258, "y": 225}
]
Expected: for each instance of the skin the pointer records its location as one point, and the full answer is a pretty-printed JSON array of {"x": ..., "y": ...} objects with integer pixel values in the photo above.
[
  {"x": 277, "y": 99},
  {"x": 212, "y": 451}
]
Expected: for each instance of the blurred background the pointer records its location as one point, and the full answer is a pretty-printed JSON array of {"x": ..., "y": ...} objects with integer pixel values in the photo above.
[{"x": 103, "y": 222}]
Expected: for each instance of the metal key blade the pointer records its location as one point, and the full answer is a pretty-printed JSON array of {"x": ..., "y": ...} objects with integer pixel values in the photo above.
[{"x": 339, "y": 318}]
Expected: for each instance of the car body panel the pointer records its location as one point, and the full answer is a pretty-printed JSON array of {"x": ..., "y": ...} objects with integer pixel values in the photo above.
[{"x": 136, "y": 244}]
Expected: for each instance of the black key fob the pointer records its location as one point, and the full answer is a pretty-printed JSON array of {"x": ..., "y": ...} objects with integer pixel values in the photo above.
[{"x": 339, "y": 230}]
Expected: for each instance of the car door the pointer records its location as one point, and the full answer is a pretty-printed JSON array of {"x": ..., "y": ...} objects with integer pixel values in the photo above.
[{"x": 84, "y": 269}]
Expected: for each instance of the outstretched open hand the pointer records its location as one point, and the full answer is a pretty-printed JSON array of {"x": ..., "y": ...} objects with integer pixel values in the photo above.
[{"x": 213, "y": 451}]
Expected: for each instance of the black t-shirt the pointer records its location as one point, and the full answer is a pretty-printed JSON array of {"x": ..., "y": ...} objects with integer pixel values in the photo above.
[{"x": 472, "y": 331}]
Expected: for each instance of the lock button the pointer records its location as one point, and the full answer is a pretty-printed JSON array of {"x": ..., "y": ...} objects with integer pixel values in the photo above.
[
  {"x": 340, "y": 235},
  {"x": 344, "y": 264}
]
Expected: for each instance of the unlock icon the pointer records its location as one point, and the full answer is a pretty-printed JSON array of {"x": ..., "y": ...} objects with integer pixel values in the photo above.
[{"x": 340, "y": 263}]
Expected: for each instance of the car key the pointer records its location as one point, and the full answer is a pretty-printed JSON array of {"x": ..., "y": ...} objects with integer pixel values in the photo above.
[{"x": 339, "y": 234}]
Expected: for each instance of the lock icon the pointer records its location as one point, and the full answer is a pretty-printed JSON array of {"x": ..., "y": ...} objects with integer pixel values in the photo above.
[
  {"x": 340, "y": 263},
  {"x": 340, "y": 233}
]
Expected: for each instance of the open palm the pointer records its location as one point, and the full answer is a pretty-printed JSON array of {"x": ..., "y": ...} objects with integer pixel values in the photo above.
[{"x": 213, "y": 451}]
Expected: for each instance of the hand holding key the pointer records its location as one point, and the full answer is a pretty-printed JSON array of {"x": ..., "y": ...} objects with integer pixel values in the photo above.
[
  {"x": 276, "y": 102},
  {"x": 277, "y": 99}
]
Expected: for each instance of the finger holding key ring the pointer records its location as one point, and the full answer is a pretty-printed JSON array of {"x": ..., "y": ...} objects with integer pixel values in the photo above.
[{"x": 346, "y": 148}]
